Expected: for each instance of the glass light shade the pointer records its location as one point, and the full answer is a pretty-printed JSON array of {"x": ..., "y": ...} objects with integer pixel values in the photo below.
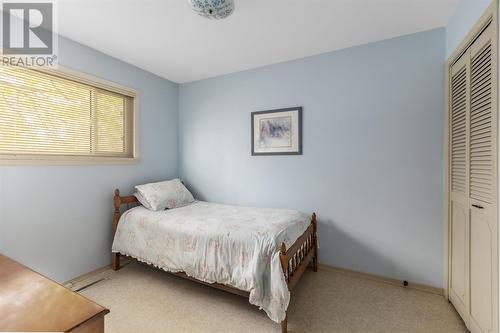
[{"x": 213, "y": 9}]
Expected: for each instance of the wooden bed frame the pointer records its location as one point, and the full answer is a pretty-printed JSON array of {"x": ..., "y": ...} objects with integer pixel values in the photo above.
[{"x": 294, "y": 260}]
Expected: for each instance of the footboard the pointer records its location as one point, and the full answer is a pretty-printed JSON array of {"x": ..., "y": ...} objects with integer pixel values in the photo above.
[{"x": 294, "y": 260}]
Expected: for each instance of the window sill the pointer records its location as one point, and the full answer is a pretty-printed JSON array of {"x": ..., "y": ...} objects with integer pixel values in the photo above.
[{"x": 65, "y": 160}]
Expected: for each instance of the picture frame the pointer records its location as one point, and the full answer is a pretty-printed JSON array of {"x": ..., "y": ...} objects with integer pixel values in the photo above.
[{"x": 277, "y": 132}]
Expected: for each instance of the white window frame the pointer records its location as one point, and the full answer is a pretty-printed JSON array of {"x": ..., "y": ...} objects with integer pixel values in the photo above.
[{"x": 40, "y": 159}]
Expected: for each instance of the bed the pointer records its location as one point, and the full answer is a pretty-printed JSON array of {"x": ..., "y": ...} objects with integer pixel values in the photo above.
[{"x": 258, "y": 253}]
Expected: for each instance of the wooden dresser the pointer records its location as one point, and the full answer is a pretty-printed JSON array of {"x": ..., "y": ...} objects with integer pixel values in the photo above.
[{"x": 32, "y": 302}]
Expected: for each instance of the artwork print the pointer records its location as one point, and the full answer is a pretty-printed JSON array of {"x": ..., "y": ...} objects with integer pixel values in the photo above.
[{"x": 275, "y": 132}]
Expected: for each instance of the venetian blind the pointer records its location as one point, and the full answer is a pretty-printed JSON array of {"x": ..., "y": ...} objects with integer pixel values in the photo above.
[
  {"x": 458, "y": 130},
  {"x": 46, "y": 114},
  {"x": 481, "y": 154}
]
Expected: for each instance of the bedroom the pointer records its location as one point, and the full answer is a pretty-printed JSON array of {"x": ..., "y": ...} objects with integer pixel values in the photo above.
[{"x": 361, "y": 131}]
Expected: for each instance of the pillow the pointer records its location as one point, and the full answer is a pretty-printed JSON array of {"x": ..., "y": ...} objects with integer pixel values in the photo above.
[
  {"x": 141, "y": 199},
  {"x": 161, "y": 195}
]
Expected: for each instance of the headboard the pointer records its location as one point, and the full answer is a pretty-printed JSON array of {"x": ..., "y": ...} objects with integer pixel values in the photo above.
[{"x": 118, "y": 201}]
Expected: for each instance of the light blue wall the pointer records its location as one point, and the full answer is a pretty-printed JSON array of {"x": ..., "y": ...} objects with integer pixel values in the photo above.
[
  {"x": 372, "y": 166},
  {"x": 463, "y": 19},
  {"x": 57, "y": 219}
]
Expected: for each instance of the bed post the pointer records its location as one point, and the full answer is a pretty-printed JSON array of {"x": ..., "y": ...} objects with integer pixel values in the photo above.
[
  {"x": 284, "y": 328},
  {"x": 284, "y": 267},
  {"x": 315, "y": 242},
  {"x": 115, "y": 259}
]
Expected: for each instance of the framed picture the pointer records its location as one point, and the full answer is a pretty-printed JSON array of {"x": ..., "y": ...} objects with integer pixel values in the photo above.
[{"x": 277, "y": 132}]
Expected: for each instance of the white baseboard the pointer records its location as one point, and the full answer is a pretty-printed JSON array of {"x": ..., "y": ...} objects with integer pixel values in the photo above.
[
  {"x": 86, "y": 278},
  {"x": 383, "y": 279}
]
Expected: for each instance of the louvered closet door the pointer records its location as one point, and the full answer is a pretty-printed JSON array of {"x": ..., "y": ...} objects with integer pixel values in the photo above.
[
  {"x": 459, "y": 183},
  {"x": 483, "y": 185}
]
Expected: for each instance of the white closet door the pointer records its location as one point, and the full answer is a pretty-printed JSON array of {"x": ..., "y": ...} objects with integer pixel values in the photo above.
[
  {"x": 473, "y": 282},
  {"x": 459, "y": 182},
  {"x": 482, "y": 186}
]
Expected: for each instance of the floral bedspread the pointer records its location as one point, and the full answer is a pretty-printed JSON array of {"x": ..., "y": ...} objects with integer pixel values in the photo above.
[{"x": 231, "y": 245}]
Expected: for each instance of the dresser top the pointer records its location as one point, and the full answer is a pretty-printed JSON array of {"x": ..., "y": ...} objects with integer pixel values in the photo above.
[{"x": 32, "y": 302}]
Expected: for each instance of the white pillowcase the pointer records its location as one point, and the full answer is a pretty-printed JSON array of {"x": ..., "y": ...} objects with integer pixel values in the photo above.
[
  {"x": 143, "y": 201},
  {"x": 161, "y": 195}
]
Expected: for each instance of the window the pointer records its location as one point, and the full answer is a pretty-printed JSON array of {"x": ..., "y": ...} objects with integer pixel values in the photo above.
[{"x": 62, "y": 116}]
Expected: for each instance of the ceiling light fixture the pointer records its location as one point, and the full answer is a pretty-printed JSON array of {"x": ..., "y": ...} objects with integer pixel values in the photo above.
[{"x": 213, "y": 9}]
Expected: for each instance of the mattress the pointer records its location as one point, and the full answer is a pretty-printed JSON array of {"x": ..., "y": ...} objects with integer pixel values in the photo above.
[{"x": 231, "y": 245}]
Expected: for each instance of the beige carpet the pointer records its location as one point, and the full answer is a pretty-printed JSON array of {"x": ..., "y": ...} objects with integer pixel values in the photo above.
[{"x": 142, "y": 299}]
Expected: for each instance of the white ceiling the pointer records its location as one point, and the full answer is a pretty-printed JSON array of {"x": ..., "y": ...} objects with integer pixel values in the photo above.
[{"x": 167, "y": 38}]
